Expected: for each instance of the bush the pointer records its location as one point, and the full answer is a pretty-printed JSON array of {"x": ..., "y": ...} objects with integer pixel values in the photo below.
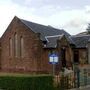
[{"x": 26, "y": 83}]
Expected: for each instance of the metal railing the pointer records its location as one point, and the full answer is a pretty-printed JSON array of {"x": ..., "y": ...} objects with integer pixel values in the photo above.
[{"x": 72, "y": 79}]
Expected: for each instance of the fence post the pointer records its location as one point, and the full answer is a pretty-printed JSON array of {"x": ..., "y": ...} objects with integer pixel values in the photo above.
[
  {"x": 85, "y": 77},
  {"x": 78, "y": 78},
  {"x": 77, "y": 75}
]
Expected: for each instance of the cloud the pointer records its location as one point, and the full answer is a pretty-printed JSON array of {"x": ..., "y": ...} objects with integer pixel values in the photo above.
[
  {"x": 78, "y": 22},
  {"x": 47, "y": 12},
  {"x": 75, "y": 26},
  {"x": 87, "y": 9},
  {"x": 62, "y": 3},
  {"x": 74, "y": 21}
]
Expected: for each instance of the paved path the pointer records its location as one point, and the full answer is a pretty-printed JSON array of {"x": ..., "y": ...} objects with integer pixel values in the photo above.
[
  {"x": 82, "y": 88},
  {"x": 86, "y": 88}
]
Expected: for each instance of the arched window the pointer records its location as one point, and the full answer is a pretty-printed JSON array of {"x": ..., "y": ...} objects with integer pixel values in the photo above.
[
  {"x": 21, "y": 46},
  {"x": 10, "y": 46},
  {"x": 15, "y": 45}
]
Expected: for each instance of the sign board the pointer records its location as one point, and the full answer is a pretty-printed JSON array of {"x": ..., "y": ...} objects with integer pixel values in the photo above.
[{"x": 53, "y": 58}]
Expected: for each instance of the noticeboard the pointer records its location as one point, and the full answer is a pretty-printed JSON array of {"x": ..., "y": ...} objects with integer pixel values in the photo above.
[{"x": 53, "y": 58}]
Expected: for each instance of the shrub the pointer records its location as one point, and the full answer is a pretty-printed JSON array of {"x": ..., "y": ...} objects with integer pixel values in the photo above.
[{"x": 26, "y": 83}]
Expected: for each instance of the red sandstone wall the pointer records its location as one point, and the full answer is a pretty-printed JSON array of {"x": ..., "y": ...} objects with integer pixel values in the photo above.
[
  {"x": 31, "y": 44},
  {"x": 35, "y": 58}
]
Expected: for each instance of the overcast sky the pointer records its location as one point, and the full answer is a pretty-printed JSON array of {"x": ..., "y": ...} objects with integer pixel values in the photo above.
[{"x": 71, "y": 15}]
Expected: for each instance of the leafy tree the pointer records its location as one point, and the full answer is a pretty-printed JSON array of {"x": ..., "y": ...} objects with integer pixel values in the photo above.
[{"x": 88, "y": 29}]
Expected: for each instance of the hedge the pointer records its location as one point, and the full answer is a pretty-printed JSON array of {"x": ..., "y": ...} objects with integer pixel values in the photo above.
[{"x": 26, "y": 83}]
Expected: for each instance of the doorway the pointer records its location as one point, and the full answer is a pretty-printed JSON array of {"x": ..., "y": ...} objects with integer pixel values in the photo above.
[
  {"x": 76, "y": 56},
  {"x": 63, "y": 55}
]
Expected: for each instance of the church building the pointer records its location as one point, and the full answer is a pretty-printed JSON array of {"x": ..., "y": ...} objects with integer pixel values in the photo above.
[{"x": 25, "y": 47}]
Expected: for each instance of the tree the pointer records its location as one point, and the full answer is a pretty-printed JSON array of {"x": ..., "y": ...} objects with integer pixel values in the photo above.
[{"x": 88, "y": 29}]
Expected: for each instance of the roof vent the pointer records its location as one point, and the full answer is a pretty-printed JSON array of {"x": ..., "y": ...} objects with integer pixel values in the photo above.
[{"x": 50, "y": 26}]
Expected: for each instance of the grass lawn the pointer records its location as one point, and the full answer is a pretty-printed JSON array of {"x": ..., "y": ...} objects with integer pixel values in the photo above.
[{"x": 18, "y": 81}]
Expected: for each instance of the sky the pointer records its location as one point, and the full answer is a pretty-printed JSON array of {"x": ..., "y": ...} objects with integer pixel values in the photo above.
[{"x": 71, "y": 15}]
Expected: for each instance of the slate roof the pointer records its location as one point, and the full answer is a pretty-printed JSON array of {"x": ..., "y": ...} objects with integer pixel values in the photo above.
[
  {"x": 80, "y": 41},
  {"x": 52, "y": 41},
  {"x": 51, "y": 34},
  {"x": 70, "y": 40},
  {"x": 44, "y": 30}
]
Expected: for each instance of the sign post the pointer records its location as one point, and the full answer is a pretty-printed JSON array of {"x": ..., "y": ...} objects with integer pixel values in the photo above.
[{"x": 53, "y": 59}]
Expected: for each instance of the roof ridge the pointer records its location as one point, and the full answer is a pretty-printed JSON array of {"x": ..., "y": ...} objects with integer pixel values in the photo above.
[
  {"x": 32, "y": 22},
  {"x": 53, "y": 36},
  {"x": 42, "y": 24},
  {"x": 79, "y": 36}
]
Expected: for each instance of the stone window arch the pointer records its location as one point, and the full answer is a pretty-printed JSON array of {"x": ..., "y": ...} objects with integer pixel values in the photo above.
[
  {"x": 21, "y": 46},
  {"x": 10, "y": 47},
  {"x": 15, "y": 45}
]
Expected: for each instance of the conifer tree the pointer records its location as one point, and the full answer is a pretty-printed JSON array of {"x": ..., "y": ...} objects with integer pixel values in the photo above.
[{"x": 88, "y": 29}]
